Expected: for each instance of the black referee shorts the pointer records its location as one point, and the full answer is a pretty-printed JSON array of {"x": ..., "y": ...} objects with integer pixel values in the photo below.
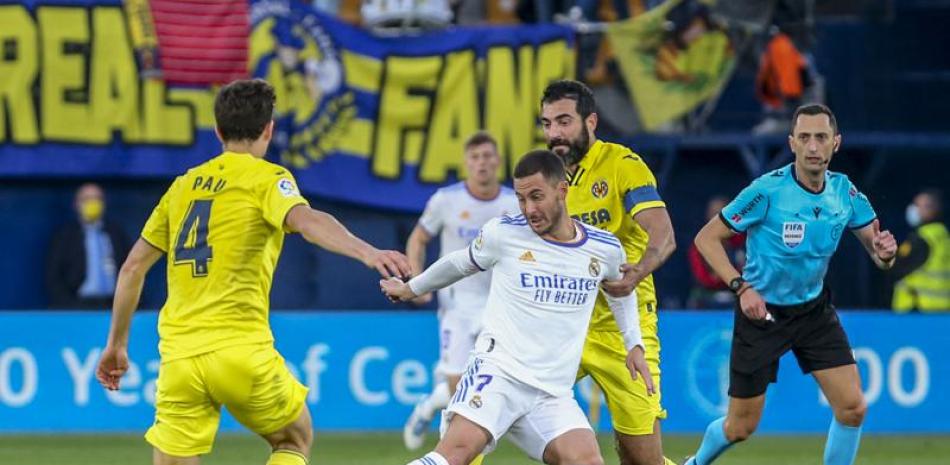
[{"x": 811, "y": 331}]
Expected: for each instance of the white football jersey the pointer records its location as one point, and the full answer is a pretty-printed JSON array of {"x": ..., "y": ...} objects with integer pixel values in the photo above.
[
  {"x": 456, "y": 216},
  {"x": 541, "y": 299}
]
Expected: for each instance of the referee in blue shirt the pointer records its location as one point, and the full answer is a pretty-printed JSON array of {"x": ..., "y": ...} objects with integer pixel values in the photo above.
[{"x": 793, "y": 218}]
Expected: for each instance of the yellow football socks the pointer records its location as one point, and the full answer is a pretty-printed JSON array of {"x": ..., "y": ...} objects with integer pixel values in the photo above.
[{"x": 286, "y": 457}]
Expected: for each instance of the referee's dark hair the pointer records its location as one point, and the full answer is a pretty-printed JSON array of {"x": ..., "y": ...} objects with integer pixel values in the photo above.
[
  {"x": 573, "y": 90},
  {"x": 812, "y": 109},
  {"x": 243, "y": 108},
  {"x": 541, "y": 161}
]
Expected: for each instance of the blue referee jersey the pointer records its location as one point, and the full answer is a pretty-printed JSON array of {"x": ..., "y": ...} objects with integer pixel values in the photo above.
[{"x": 792, "y": 232}]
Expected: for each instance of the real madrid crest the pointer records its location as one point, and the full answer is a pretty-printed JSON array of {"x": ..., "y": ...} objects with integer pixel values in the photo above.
[
  {"x": 476, "y": 401},
  {"x": 594, "y": 267},
  {"x": 599, "y": 189}
]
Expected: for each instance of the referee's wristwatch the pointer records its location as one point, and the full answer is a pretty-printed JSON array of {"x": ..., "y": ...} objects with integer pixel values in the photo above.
[{"x": 736, "y": 284}]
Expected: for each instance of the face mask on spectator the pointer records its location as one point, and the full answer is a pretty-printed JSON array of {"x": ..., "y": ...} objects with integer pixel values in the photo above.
[
  {"x": 91, "y": 210},
  {"x": 913, "y": 215}
]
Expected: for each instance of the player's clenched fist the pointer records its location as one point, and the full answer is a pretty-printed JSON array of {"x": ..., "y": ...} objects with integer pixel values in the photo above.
[
  {"x": 112, "y": 365},
  {"x": 885, "y": 246},
  {"x": 396, "y": 289}
]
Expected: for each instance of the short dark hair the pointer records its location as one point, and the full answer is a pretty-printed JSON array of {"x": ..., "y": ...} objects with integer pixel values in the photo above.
[
  {"x": 574, "y": 90},
  {"x": 812, "y": 109},
  {"x": 479, "y": 138},
  {"x": 936, "y": 195},
  {"x": 243, "y": 108},
  {"x": 541, "y": 161}
]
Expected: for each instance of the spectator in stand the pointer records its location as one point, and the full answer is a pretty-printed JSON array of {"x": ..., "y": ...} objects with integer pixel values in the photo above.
[
  {"x": 786, "y": 79},
  {"x": 81, "y": 266},
  {"x": 922, "y": 270},
  {"x": 709, "y": 291}
]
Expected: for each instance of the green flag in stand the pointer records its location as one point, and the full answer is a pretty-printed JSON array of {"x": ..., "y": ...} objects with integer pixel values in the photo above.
[{"x": 672, "y": 58}]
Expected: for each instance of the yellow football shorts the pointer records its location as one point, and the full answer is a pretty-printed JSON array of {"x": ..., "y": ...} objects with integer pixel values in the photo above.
[
  {"x": 632, "y": 411},
  {"x": 251, "y": 380}
]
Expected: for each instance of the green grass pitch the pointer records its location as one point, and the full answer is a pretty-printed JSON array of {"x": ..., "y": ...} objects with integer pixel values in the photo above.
[{"x": 378, "y": 449}]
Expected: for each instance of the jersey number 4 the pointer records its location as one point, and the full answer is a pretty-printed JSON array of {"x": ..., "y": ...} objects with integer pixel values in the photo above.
[{"x": 192, "y": 247}]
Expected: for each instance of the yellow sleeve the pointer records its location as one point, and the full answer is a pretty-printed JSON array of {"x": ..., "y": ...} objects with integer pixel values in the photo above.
[
  {"x": 637, "y": 184},
  {"x": 279, "y": 196},
  {"x": 156, "y": 229}
]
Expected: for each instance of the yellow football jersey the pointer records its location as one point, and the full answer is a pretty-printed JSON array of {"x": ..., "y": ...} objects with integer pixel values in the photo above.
[
  {"x": 610, "y": 186},
  {"x": 222, "y": 227}
]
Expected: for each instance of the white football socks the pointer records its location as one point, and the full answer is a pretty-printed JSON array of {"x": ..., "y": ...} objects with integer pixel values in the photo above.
[{"x": 432, "y": 458}]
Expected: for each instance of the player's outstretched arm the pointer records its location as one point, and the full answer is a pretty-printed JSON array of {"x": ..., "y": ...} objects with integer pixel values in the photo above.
[
  {"x": 660, "y": 245},
  {"x": 128, "y": 289},
  {"x": 322, "y": 229},
  {"x": 881, "y": 245},
  {"x": 444, "y": 272}
]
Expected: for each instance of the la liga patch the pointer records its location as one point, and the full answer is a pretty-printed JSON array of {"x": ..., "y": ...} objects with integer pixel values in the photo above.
[{"x": 287, "y": 188}]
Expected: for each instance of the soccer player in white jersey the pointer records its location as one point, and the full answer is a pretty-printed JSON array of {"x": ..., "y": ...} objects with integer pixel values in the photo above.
[
  {"x": 456, "y": 213},
  {"x": 547, "y": 270}
]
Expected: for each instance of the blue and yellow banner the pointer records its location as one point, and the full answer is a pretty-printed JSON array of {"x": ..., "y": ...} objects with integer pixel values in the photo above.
[{"x": 372, "y": 120}]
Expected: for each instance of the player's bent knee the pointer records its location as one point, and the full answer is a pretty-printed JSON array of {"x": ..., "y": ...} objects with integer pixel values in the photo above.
[
  {"x": 852, "y": 415},
  {"x": 573, "y": 450},
  {"x": 297, "y": 436},
  {"x": 297, "y": 439}
]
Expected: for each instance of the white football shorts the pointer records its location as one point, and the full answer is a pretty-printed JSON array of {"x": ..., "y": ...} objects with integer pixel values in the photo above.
[{"x": 528, "y": 416}]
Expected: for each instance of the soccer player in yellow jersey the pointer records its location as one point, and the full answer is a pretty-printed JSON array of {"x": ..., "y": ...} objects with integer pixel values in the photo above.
[
  {"x": 222, "y": 225},
  {"x": 610, "y": 187}
]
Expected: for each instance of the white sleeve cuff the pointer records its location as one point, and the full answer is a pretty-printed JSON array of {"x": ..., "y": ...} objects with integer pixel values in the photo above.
[
  {"x": 626, "y": 313},
  {"x": 444, "y": 272}
]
